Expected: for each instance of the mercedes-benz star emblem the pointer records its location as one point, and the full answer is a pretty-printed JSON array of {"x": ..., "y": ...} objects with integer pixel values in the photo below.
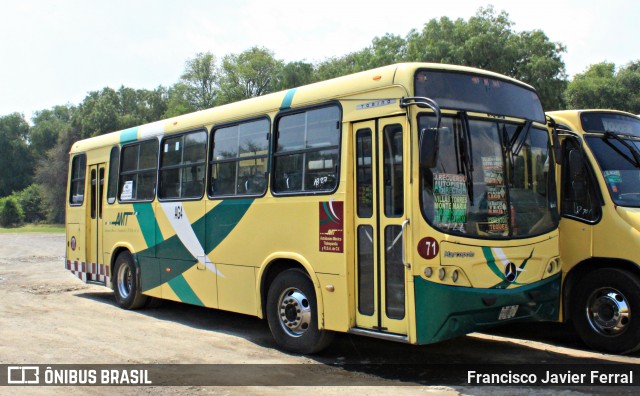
[{"x": 510, "y": 272}]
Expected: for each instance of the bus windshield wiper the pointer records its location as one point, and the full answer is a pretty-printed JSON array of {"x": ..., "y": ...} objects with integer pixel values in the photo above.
[
  {"x": 516, "y": 148},
  {"x": 467, "y": 152},
  {"x": 631, "y": 147}
]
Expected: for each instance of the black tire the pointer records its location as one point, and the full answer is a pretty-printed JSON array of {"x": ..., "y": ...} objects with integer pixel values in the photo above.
[
  {"x": 126, "y": 286},
  {"x": 292, "y": 313},
  {"x": 606, "y": 310}
]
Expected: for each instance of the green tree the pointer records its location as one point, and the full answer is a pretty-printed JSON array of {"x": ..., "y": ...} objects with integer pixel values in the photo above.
[
  {"x": 199, "y": 82},
  {"x": 254, "y": 72},
  {"x": 487, "y": 41},
  {"x": 10, "y": 212},
  {"x": 596, "y": 88},
  {"x": 31, "y": 201},
  {"x": 16, "y": 163},
  {"x": 47, "y": 125},
  {"x": 295, "y": 74},
  {"x": 51, "y": 173},
  {"x": 601, "y": 86},
  {"x": 177, "y": 103}
]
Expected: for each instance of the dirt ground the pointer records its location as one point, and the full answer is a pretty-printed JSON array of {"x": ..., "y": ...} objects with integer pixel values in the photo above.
[{"x": 48, "y": 316}]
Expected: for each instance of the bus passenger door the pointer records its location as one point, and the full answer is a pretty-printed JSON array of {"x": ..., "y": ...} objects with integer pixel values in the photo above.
[
  {"x": 381, "y": 209},
  {"x": 94, "y": 230}
]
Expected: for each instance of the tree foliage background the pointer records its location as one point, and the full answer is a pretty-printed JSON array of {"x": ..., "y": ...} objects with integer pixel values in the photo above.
[{"x": 34, "y": 157}]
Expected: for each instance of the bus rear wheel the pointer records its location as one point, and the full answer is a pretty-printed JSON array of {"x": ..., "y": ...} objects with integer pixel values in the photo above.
[
  {"x": 127, "y": 291},
  {"x": 292, "y": 313},
  {"x": 606, "y": 310}
]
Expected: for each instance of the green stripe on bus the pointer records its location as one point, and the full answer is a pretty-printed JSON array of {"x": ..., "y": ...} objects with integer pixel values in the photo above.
[
  {"x": 185, "y": 293},
  {"x": 220, "y": 221},
  {"x": 491, "y": 262},
  {"x": 148, "y": 224},
  {"x": 288, "y": 99},
  {"x": 129, "y": 135}
]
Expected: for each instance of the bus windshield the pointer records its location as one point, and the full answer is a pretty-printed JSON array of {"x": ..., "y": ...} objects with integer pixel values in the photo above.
[
  {"x": 619, "y": 160},
  {"x": 470, "y": 92},
  {"x": 490, "y": 178}
]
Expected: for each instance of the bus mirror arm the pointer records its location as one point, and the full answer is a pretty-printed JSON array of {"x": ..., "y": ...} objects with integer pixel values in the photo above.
[
  {"x": 557, "y": 150},
  {"x": 428, "y": 147}
]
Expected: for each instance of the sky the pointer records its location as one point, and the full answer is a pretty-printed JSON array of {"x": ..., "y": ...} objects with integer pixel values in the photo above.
[{"x": 55, "y": 52}]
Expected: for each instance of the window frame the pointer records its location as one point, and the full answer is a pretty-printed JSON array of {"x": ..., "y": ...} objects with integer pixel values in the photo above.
[
  {"x": 113, "y": 171},
  {"x": 137, "y": 171},
  {"x": 275, "y": 154},
  {"x": 591, "y": 178},
  {"x": 73, "y": 180},
  {"x": 181, "y": 166},
  {"x": 211, "y": 161}
]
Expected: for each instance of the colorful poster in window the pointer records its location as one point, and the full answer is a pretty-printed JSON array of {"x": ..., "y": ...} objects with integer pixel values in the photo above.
[
  {"x": 496, "y": 197},
  {"x": 331, "y": 220},
  {"x": 450, "y": 200}
]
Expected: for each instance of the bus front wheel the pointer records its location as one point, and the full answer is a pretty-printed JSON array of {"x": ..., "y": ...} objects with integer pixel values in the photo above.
[
  {"x": 126, "y": 290},
  {"x": 606, "y": 310},
  {"x": 292, "y": 313}
]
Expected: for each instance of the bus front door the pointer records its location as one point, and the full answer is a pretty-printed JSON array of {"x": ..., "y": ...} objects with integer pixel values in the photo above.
[
  {"x": 381, "y": 210},
  {"x": 94, "y": 230}
]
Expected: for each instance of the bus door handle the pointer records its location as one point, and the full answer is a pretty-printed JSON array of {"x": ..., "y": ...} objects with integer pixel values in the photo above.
[{"x": 404, "y": 245}]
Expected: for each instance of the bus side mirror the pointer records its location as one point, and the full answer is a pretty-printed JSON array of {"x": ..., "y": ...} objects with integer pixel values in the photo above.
[{"x": 429, "y": 148}]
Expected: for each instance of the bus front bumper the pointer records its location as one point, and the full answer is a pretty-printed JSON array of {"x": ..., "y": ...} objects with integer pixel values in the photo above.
[{"x": 444, "y": 312}]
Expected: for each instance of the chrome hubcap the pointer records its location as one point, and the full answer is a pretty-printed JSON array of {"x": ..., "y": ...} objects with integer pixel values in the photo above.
[
  {"x": 608, "y": 312},
  {"x": 294, "y": 311},
  {"x": 125, "y": 281}
]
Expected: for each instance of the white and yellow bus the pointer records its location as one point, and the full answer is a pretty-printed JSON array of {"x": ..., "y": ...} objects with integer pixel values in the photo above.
[
  {"x": 412, "y": 202},
  {"x": 599, "y": 185}
]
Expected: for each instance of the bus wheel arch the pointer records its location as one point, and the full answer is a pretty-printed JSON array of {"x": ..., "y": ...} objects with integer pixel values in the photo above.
[
  {"x": 605, "y": 309},
  {"x": 291, "y": 302},
  {"x": 126, "y": 282}
]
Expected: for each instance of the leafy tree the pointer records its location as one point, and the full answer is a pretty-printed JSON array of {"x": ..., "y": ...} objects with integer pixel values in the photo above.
[
  {"x": 252, "y": 73},
  {"x": 629, "y": 78},
  {"x": 199, "y": 82},
  {"x": 295, "y": 74},
  {"x": 177, "y": 103},
  {"x": 51, "y": 173},
  {"x": 31, "y": 201},
  {"x": 487, "y": 41},
  {"x": 47, "y": 125},
  {"x": 602, "y": 87},
  {"x": 16, "y": 164},
  {"x": 10, "y": 212}
]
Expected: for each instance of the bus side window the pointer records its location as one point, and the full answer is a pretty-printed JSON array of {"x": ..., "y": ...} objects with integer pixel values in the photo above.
[
  {"x": 578, "y": 195},
  {"x": 138, "y": 171},
  {"x": 306, "y": 153},
  {"x": 238, "y": 162},
  {"x": 76, "y": 183},
  {"x": 112, "y": 187}
]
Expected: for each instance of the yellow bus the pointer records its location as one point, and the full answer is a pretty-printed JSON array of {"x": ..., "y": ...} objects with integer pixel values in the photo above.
[
  {"x": 412, "y": 202},
  {"x": 599, "y": 186}
]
